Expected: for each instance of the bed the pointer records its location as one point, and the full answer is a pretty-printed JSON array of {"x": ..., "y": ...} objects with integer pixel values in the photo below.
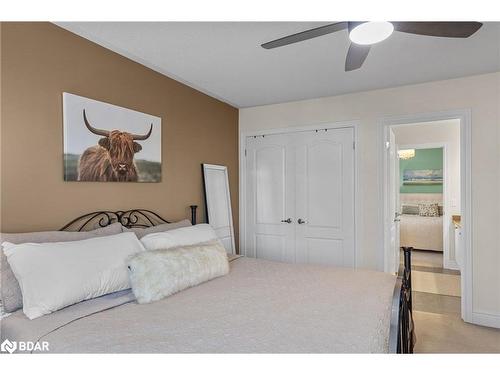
[
  {"x": 421, "y": 232},
  {"x": 259, "y": 307}
]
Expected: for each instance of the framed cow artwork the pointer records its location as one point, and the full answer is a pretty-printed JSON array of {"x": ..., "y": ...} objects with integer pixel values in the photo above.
[{"x": 108, "y": 143}]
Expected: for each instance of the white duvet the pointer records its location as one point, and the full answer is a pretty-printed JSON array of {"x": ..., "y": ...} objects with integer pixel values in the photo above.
[
  {"x": 259, "y": 307},
  {"x": 422, "y": 232}
]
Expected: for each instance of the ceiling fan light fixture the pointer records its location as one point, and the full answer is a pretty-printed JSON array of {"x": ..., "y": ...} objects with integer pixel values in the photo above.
[{"x": 367, "y": 33}]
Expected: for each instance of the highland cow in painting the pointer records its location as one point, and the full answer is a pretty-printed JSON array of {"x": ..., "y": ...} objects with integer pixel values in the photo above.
[
  {"x": 107, "y": 143},
  {"x": 113, "y": 158}
]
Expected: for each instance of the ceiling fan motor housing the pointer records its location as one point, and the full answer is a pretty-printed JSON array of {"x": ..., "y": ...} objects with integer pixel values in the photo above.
[{"x": 352, "y": 24}]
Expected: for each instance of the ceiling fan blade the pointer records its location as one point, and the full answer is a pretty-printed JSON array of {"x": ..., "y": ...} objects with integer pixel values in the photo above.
[
  {"x": 442, "y": 29},
  {"x": 304, "y": 35},
  {"x": 356, "y": 56}
]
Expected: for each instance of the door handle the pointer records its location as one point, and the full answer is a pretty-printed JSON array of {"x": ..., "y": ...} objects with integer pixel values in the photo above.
[
  {"x": 300, "y": 221},
  {"x": 289, "y": 221}
]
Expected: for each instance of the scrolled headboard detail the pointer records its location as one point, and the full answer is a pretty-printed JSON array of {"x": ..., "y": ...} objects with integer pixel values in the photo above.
[{"x": 134, "y": 218}]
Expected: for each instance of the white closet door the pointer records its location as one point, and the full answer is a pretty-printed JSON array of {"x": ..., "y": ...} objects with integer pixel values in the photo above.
[
  {"x": 325, "y": 197},
  {"x": 270, "y": 180}
]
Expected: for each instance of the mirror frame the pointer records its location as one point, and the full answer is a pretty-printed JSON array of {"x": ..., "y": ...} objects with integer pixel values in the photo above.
[{"x": 222, "y": 169}]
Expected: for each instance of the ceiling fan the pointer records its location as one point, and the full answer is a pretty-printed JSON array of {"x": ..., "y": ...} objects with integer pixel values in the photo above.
[{"x": 364, "y": 34}]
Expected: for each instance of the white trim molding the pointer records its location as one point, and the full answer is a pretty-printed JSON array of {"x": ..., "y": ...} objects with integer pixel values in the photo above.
[
  {"x": 464, "y": 115},
  {"x": 319, "y": 126},
  {"x": 485, "y": 319}
]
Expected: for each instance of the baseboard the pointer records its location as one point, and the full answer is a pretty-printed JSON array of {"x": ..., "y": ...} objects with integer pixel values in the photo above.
[
  {"x": 487, "y": 320},
  {"x": 450, "y": 264}
]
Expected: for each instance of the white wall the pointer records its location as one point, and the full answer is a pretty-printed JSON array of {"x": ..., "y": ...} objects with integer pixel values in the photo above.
[{"x": 480, "y": 94}]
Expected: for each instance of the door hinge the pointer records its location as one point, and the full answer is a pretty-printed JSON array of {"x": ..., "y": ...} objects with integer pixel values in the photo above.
[
  {"x": 353, "y": 145},
  {"x": 245, "y": 152}
]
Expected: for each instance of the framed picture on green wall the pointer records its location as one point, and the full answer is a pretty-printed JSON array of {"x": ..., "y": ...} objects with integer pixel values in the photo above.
[
  {"x": 423, "y": 177},
  {"x": 422, "y": 173}
]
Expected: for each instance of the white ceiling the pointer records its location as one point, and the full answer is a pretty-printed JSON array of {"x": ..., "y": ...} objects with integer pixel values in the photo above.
[{"x": 225, "y": 60}]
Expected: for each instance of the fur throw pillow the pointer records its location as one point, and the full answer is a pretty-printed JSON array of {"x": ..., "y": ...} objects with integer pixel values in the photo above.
[{"x": 160, "y": 273}]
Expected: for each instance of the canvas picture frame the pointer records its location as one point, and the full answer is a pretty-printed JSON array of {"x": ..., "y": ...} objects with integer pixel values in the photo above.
[
  {"x": 104, "y": 142},
  {"x": 423, "y": 177}
]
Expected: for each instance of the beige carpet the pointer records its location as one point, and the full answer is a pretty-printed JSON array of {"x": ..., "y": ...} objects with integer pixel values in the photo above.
[
  {"x": 440, "y": 333},
  {"x": 425, "y": 258},
  {"x": 436, "y": 303},
  {"x": 437, "y": 283},
  {"x": 436, "y": 311}
]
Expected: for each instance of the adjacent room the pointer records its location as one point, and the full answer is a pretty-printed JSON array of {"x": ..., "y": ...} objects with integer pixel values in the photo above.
[
  {"x": 427, "y": 197},
  {"x": 250, "y": 187}
]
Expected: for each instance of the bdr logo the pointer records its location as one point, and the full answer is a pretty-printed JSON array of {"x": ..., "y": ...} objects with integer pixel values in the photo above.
[
  {"x": 24, "y": 346},
  {"x": 8, "y": 346}
]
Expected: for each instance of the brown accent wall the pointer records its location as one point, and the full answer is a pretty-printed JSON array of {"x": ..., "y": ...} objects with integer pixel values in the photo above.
[{"x": 39, "y": 62}]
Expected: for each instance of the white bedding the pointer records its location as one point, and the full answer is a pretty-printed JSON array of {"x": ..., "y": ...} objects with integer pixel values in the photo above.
[
  {"x": 259, "y": 307},
  {"x": 422, "y": 232},
  {"x": 58, "y": 274}
]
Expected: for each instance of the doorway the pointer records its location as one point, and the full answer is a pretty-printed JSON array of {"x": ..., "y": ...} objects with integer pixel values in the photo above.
[
  {"x": 426, "y": 206},
  {"x": 428, "y": 192}
]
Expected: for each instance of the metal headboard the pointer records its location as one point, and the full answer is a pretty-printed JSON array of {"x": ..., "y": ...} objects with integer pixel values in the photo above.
[{"x": 134, "y": 218}]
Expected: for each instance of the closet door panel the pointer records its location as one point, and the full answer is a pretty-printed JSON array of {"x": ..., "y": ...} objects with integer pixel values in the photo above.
[
  {"x": 325, "y": 197},
  {"x": 323, "y": 161},
  {"x": 270, "y": 190},
  {"x": 324, "y": 251},
  {"x": 270, "y": 184},
  {"x": 270, "y": 247}
]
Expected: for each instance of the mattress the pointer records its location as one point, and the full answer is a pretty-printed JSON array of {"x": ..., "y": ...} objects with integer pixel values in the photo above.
[
  {"x": 259, "y": 307},
  {"x": 422, "y": 232}
]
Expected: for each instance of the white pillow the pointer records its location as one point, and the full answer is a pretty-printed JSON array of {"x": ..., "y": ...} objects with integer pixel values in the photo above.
[
  {"x": 59, "y": 274},
  {"x": 179, "y": 237},
  {"x": 158, "y": 274}
]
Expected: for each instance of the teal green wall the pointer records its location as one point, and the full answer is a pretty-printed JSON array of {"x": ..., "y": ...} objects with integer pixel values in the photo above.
[{"x": 429, "y": 158}]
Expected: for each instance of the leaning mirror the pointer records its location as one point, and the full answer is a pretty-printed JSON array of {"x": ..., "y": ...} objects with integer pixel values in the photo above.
[{"x": 218, "y": 204}]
